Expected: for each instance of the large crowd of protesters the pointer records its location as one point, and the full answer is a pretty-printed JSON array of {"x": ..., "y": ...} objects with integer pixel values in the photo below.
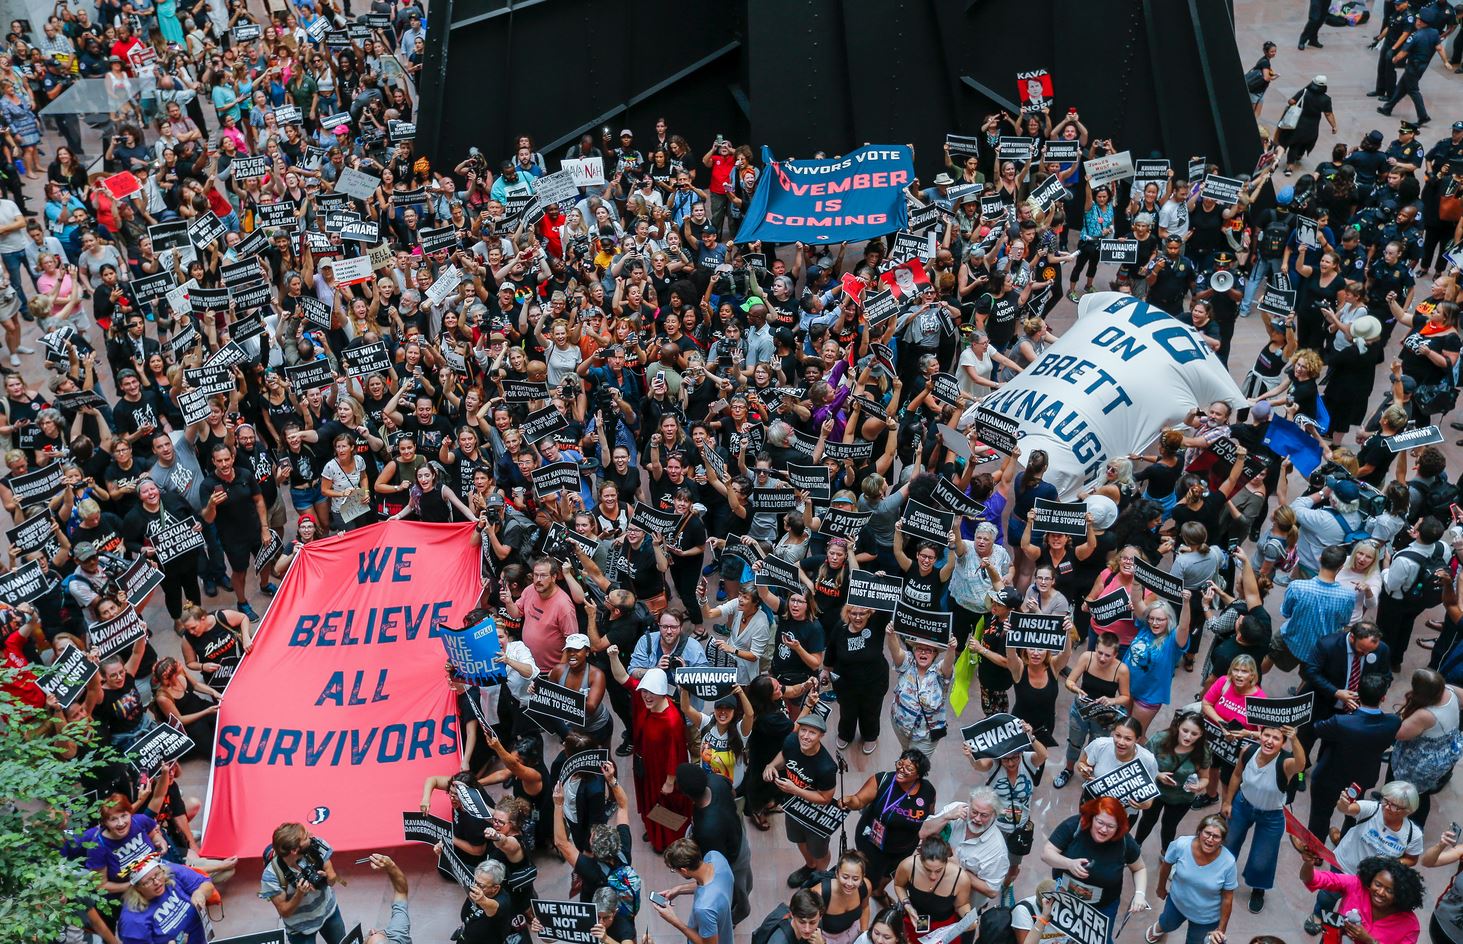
[{"x": 679, "y": 369}]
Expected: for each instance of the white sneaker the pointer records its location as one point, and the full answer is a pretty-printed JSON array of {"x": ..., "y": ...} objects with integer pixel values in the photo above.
[
  {"x": 14, "y": 360},
  {"x": 24, "y": 349}
]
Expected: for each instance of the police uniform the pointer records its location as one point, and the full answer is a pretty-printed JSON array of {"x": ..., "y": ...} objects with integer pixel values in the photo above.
[
  {"x": 1399, "y": 25},
  {"x": 1408, "y": 153}
]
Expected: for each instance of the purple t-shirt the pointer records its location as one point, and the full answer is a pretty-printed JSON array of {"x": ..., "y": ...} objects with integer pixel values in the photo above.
[
  {"x": 167, "y": 917},
  {"x": 116, "y": 853}
]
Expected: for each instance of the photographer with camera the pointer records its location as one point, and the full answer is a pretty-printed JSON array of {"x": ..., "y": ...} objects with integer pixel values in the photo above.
[
  {"x": 298, "y": 879},
  {"x": 1328, "y": 514}
]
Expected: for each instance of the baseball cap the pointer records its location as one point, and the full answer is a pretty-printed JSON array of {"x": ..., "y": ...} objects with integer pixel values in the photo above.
[
  {"x": 626, "y": 133},
  {"x": 1009, "y": 597},
  {"x": 691, "y": 779},
  {"x": 1261, "y": 410},
  {"x": 85, "y": 551},
  {"x": 576, "y": 641},
  {"x": 1374, "y": 136},
  {"x": 1344, "y": 489},
  {"x": 814, "y": 721},
  {"x": 1458, "y": 126}
]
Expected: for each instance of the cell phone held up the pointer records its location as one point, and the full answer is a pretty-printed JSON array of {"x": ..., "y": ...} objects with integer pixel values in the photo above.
[{"x": 656, "y": 898}]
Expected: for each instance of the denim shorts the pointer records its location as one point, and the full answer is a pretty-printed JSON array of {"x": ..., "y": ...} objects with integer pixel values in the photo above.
[{"x": 305, "y": 498}]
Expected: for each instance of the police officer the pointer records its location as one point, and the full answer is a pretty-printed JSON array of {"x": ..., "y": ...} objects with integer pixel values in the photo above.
[
  {"x": 1414, "y": 55},
  {"x": 1223, "y": 305},
  {"x": 1388, "y": 273},
  {"x": 1369, "y": 159},
  {"x": 1171, "y": 276},
  {"x": 1398, "y": 27},
  {"x": 1405, "y": 153}
]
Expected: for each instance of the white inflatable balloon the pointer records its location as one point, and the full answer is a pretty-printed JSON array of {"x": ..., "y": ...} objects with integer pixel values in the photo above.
[{"x": 1123, "y": 373}]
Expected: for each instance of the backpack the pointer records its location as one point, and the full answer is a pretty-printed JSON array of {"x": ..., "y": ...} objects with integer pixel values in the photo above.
[
  {"x": 1255, "y": 81},
  {"x": 626, "y": 883},
  {"x": 1273, "y": 238},
  {"x": 1425, "y": 590},
  {"x": 1436, "y": 498},
  {"x": 1349, "y": 535},
  {"x": 778, "y": 919}
]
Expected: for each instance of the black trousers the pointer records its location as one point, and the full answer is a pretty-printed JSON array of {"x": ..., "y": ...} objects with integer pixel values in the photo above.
[
  {"x": 1407, "y": 85},
  {"x": 1386, "y": 71},
  {"x": 1170, "y": 814},
  {"x": 180, "y": 582},
  {"x": 860, "y": 706},
  {"x": 1314, "y": 18},
  {"x": 1396, "y": 618}
]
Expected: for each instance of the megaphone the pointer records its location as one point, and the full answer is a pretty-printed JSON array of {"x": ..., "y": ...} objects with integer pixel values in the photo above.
[{"x": 1222, "y": 281}]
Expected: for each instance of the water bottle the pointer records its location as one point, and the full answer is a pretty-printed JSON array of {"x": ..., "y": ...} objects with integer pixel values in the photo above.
[{"x": 1191, "y": 783}]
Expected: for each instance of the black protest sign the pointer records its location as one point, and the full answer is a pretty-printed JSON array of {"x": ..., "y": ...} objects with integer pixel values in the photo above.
[
  {"x": 309, "y": 375},
  {"x": 774, "y": 501},
  {"x": 24, "y": 584},
  {"x": 450, "y": 862},
  {"x": 72, "y": 401},
  {"x": 249, "y": 295},
  {"x": 963, "y": 145},
  {"x": 335, "y": 222},
  {"x": 202, "y": 298},
  {"x": 550, "y": 700},
  {"x": 844, "y": 524},
  {"x": 857, "y": 451},
  {"x": 946, "y": 388},
  {"x": 245, "y": 32},
  {"x": 653, "y": 520},
  {"x": 1223, "y": 748},
  {"x": 424, "y": 827},
  {"x": 398, "y": 131},
  {"x": 170, "y": 235},
  {"x": 867, "y": 404},
  {"x": 920, "y": 625},
  {"x": 548, "y": 479},
  {"x": 1117, "y": 251},
  {"x": 1197, "y": 166},
  {"x": 361, "y": 231},
  {"x": 269, "y": 551},
  {"x": 566, "y": 921},
  {"x": 1129, "y": 784},
  {"x": 1277, "y": 301},
  {"x": 1014, "y": 149},
  {"x": 435, "y": 240},
  {"x": 183, "y": 341},
  {"x": 1164, "y": 585},
  {"x": 589, "y": 761},
  {"x": 1081, "y": 922},
  {"x": 117, "y": 634},
  {"x": 813, "y": 479},
  {"x": 1146, "y": 169},
  {"x": 875, "y": 591},
  {"x": 314, "y": 311},
  {"x": 1225, "y": 448},
  {"x": 253, "y": 244},
  {"x": 776, "y": 572},
  {"x": 30, "y": 535},
  {"x": 209, "y": 380},
  {"x": 996, "y": 736},
  {"x": 366, "y": 359},
  {"x": 206, "y": 230},
  {"x": 37, "y": 485},
  {"x": 68, "y": 676},
  {"x": 541, "y": 423},
  {"x": 707, "y": 682},
  {"x": 279, "y": 215},
  {"x": 1111, "y": 607},
  {"x": 999, "y": 432},
  {"x": 250, "y": 168},
  {"x": 1062, "y": 151},
  {"x": 925, "y": 218},
  {"x": 474, "y": 801},
  {"x": 229, "y": 355},
  {"x": 1294, "y": 710},
  {"x": 884, "y": 354},
  {"x": 952, "y": 499},
  {"x": 160, "y": 745},
  {"x": 1413, "y": 438},
  {"x": 926, "y": 523},
  {"x": 414, "y": 196},
  {"x": 992, "y": 206},
  {"x": 524, "y": 391},
  {"x": 1054, "y": 517},
  {"x": 1049, "y": 193},
  {"x": 139, "y": 580},
  {"x": 1222, "y": 190},
  {"x": 1104, "y": 714},
  {"x": 1037, "y": 631},
  {"x": 825, "y": 819},
  {"x": 176, "y": 539},
  {"x": 194, "y": 406}
]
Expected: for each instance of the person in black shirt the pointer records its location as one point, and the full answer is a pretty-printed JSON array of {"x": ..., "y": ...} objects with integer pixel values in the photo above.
[
  {"x": 716, "y": 826},
  {"x": 805, "y": 769},
  {"x": 1170, "y": 276},
  {"x": 235, "y": 506},
  {"x": 609, "y": 851},
  {"x": 139, "y": 413},
  {"x": 798, "y": 656},
  {"x": 487, "y": 914}
]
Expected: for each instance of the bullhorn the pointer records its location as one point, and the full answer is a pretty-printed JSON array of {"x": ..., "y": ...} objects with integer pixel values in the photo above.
[{"x": 1222, "y": 281}]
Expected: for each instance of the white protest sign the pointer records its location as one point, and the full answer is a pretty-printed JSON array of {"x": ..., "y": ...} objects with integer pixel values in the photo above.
[
  {"x": 587, "y": 171},
  {"x": 1109, "y": 168}
]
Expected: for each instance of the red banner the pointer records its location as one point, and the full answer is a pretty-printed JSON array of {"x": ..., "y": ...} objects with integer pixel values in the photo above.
[
  {"x": 342, "y": 709},
  {"x": 1307, "y": 838}
]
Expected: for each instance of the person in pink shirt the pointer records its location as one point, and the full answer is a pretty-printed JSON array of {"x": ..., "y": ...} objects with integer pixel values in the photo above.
[
  {"x": 1224, "y": 705},
  {"x": 1378, "y": 904},
  {"x": 547, "y": 613}
]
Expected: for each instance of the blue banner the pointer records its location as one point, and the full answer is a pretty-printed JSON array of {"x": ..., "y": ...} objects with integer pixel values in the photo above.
[
  {"x": 474, "y": 651},
  {"x": 857, "y": 196},
  {"x": 1295, "y": 443}
]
